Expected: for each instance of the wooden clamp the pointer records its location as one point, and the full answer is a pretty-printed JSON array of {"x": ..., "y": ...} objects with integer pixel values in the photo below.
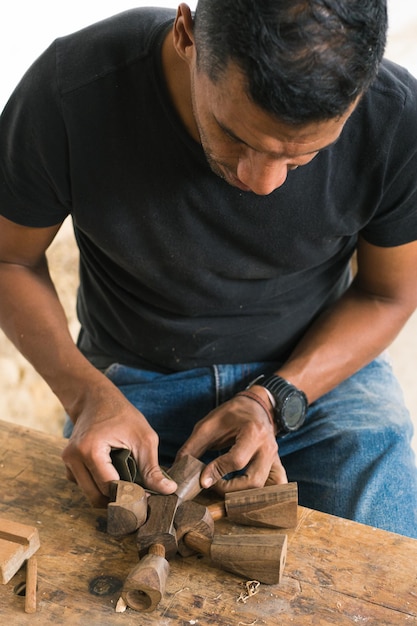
[{"x": 18, "y": 543}]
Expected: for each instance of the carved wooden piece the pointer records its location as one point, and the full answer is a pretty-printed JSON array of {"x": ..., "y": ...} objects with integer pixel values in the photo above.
[
  {"x": 186, "y": 473},
  {"x": 274, "y": 506},
  {"x": 191, "y": 516},
  {"x": 159, "y": 526},
  {"x": 18, "y": 542},
  {"x": 145, "y": 584},
  {"x": 128, "y": 511},
  {"x": 255, "y": 557}
]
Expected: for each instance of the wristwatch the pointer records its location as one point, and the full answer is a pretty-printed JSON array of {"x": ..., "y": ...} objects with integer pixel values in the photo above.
[{"x": 290, "y": 403}]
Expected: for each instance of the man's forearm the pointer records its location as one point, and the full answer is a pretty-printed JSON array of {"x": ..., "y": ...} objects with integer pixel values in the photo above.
[
  {"x": 344, "y": 339},
  {"x": 32, "y": 317}
]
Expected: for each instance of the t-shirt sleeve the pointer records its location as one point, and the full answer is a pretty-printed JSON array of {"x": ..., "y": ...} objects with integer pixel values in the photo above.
[
  {"x": 34, "y": 163},
  {"x": 395, "y": 222}
]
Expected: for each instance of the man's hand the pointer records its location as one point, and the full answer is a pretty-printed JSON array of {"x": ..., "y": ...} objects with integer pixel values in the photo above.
[
  {"x": 102, "y": 426},
  {"x": 242, "y": 424}
]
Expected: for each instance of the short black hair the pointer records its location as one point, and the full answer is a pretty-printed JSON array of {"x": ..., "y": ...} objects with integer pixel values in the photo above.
[{"x": 303, "y": 60}]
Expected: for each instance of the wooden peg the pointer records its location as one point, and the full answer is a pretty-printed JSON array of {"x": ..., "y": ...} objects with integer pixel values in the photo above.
[
  {"x": 274, "y": 506},
  {"x": 128, "y": 511},
  {"x": 31, "y": 583},
  {"x": 255, "y": 557},
  {"x": 145, "y": 584}
]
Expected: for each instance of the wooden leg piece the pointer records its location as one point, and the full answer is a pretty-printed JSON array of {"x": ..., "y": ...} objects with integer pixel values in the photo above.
[
  {"x": 145, "y": 584},
  {"x": 31, "y": 583}
]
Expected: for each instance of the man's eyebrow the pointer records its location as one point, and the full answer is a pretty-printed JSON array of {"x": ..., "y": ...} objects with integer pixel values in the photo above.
[{"x": 231, "y": 134}]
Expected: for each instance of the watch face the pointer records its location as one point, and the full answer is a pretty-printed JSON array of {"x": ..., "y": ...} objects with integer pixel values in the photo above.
[{"x": 293, "y": 411}]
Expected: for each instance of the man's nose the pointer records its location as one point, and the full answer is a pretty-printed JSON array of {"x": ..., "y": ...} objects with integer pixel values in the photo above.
[{"x": 261, "y": 173}]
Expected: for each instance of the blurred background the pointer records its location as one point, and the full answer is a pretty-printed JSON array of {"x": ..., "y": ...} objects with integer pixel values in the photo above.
[{"x": 26, "y": 29}]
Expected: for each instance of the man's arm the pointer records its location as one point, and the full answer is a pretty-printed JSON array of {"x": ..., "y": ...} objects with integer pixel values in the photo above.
[
  {"x": 361, "y": 324},
  {"x": 351, "y": 333},
  {"x": 34, "y": 320}
]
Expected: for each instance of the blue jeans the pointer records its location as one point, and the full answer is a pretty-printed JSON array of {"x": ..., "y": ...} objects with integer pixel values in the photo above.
[{"x": 352, "y": 457}]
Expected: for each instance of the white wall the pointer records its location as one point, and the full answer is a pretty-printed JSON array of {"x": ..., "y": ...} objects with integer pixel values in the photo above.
[{"x": 27, "y": 27}]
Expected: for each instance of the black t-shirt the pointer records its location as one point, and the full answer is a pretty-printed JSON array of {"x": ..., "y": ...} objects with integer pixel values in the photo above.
[{"x": 178, "y": 269}]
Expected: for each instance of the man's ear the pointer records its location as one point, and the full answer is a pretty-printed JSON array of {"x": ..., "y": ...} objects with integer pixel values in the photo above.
[{"x": 183, "y": 33}]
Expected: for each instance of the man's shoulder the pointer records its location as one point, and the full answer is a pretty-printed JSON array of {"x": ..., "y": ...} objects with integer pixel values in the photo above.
[
  {"x": 108, "y": 45},
  {"x": 395, "y": 82}
]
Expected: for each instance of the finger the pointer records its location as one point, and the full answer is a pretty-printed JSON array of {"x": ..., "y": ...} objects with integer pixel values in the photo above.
[
  {"x": 81, "y": 475},
  {"x": 277, "y": 474},
  {"x": 196, "y": 445},
  {"x": 155, "y": 479},
  {"x": 93, "y": 475},
  {"x": 152, "y": 476}
]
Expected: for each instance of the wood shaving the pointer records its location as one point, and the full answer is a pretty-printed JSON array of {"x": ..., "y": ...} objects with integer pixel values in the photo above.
[
  {"x": 252, "y": 588},
  {"x": 121, "y": 605}
]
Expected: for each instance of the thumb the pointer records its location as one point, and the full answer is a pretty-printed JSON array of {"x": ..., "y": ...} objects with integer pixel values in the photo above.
[
  {"x": 215, "y": 471},
  {"x": 154, "y": 478}
]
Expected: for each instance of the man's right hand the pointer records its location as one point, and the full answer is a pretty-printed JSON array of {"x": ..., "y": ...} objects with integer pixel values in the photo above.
[{"x": 106, "y": 423}]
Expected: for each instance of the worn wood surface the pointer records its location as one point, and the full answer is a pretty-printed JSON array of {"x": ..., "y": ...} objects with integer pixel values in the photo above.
[{"x": 337, "y": 572}]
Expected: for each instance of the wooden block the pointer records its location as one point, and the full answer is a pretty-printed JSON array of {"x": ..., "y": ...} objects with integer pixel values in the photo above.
[
  {"x": 128, "y": 511},
  {"x": 159, "y": 526},
  {"x": 186, "y": 473},
  {"x": 275, "y": 506},
  {"x": 191, "y": 516},
  {"x": 256, "y": 557},
  {"x": 18, "y": 542}
]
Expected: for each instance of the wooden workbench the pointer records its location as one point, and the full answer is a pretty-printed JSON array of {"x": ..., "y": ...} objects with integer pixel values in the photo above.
[{"x": 337, "y": 572}]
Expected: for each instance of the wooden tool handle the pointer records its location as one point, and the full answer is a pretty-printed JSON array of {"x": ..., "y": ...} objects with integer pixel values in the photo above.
[{"x": 145, "y": 584}]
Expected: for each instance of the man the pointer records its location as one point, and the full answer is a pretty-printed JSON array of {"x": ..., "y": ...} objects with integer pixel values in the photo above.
[{"x": 220, "y": 173}]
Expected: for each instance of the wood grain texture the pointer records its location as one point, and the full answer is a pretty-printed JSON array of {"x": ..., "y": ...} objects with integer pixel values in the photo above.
[
  {"x": 129, "y": 508},
  {"x": 274, "y": 506},
  {"x": 159, "y": 525},
  {"x": 186, "y": 473},
  {"x": 195, "y": 517},
  {"x": 337, "y": 573},
  {"x": 145, "y": 584},
  {"x": 18, "y": 542}
]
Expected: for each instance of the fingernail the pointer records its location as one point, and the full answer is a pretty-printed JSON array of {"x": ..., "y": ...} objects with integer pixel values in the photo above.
[{"x": 207, "y": 482}]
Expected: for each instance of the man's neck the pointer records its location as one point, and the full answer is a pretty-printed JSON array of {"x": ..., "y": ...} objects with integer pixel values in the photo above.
[{"x": 177, "y": 76}]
